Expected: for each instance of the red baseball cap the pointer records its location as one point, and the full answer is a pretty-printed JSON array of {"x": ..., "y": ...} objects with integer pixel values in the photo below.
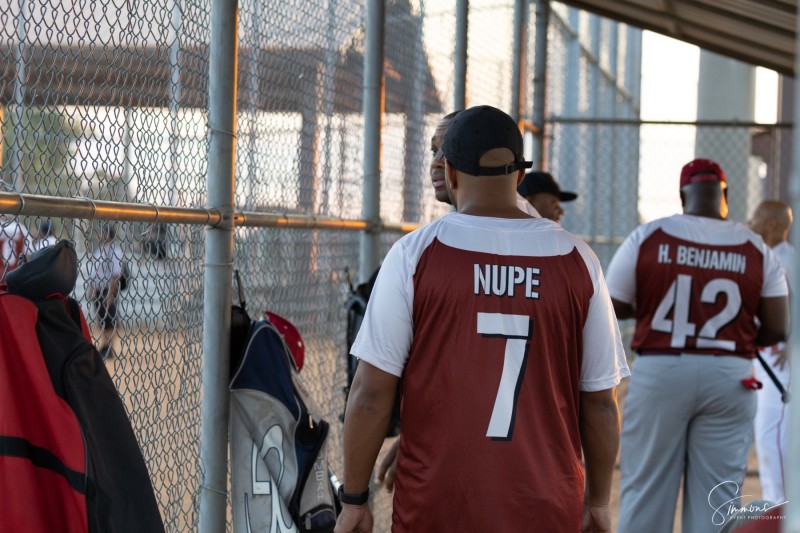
[
  {"x": 701, "y": 170},
  {"x": 292, "y": 337}
]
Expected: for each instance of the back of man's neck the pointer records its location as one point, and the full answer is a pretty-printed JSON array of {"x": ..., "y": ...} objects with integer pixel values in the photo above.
[
  {"x": 707, "y": 213},
  {"x": 772, "y": 242},
  {"x": 493, "y": 211}
]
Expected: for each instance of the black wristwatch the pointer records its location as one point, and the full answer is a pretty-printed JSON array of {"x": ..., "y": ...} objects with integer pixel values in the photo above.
[{"x": 353, "y": 499}]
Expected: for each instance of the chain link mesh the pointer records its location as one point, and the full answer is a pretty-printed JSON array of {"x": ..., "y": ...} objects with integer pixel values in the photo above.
[{"x": 109, "y": 102}]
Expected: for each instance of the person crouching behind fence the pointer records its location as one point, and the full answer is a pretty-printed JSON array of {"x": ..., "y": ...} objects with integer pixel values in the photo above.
[{"x": 105, "y": 272}]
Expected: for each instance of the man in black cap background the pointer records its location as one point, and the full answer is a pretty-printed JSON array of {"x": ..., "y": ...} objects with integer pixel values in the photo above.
[
  {"x": 471, "y": 311},
  {"x": 542, "y": 191}
]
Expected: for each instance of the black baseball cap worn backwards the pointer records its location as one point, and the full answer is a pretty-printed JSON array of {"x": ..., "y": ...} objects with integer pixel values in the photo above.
[{"x": 477, "y": 130}]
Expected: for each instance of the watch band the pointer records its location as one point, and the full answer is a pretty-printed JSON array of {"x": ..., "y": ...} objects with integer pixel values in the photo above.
[{"x": 353, "y": 499}]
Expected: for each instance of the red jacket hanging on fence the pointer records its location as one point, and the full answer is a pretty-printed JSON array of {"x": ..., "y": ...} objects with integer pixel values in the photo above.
[
  {"x": 42, "y": 456},
  {"x": 69, "y": 460}
]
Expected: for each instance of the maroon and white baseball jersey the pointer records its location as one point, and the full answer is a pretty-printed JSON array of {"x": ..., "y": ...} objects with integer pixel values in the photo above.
[
  {"x": 695, "y": 283},
  {"x": 495, "y": 325}
]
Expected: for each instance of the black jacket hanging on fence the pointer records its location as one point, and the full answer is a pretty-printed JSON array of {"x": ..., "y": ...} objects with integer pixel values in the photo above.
[{"x": 108, "y": 489}]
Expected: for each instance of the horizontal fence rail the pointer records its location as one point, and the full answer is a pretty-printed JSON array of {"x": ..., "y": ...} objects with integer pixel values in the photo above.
[{"x": 18, "y": 204}]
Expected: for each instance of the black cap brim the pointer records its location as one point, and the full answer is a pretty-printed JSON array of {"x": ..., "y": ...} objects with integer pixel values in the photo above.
[{"x": 568, "y": 196}]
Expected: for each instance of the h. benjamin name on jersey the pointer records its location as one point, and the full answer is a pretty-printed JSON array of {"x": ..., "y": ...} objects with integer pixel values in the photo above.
[
  {"x": 703, "y": 258},
  {"x": 503, "y": 280}
]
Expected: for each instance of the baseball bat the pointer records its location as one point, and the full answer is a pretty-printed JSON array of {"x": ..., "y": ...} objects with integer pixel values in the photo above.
[{"x": 784, "y": 393}]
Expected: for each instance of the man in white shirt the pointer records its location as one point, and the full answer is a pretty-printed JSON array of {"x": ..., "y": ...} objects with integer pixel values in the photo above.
[
  {"x": 105, "y": 272},
  {"x": 772, "y": 220}
]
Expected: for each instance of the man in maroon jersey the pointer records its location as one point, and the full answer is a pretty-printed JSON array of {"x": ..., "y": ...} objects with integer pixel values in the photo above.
[
  {"x": 388, "y": 467},
  {"x": 698, "y": 286},
  {"x": 502, "y": 329}
]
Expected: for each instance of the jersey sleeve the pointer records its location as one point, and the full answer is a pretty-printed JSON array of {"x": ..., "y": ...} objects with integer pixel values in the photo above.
[
  {"x": 384, "y": 339},
  {"x": 621, "y": 276},
  {"x": 604, "y": 363},
  {"x": 774, "y": 276}
]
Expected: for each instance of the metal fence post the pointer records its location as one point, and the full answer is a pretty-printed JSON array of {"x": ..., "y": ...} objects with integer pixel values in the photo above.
[
  {"x": 460, "y": 52},
  {"x": 373, "y": 111},
  {"x": 592, "y": 175},
  {"x": 540, "y": 80},
  {"x": 218, "y": 266},
  {"x": 519, "y": 61},
  {"x": 792, "y": 523}
]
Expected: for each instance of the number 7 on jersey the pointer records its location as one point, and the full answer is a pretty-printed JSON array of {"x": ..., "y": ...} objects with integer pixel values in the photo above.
[{"x": 517, "y": 330}]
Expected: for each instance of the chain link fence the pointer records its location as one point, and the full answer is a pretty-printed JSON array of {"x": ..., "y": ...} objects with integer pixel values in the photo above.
[{"x": 109, "y": 102}]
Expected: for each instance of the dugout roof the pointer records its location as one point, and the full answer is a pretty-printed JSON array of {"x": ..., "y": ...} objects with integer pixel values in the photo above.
[
  {"x": 761, "y": 32},
  {"x": 82, "y": 53}
]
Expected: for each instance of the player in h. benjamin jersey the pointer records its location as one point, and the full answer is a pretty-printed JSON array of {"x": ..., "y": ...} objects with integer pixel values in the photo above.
[
  {"x": 503, "y": 331},
  {"x": 698, "y": 286}
]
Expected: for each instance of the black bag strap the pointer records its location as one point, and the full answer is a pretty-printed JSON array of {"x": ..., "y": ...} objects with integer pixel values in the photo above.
[{"x": 239, "y": 290}]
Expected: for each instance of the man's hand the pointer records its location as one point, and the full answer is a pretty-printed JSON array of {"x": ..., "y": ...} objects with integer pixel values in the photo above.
[
  {"x": 596, "y": 519},
  {"x": 780, "y": 357},
  {"x": 387, "y": 471},
  {"x": 354, "y": 519}
]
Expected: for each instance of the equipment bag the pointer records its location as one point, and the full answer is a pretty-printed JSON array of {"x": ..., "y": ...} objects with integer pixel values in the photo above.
[{"x": 279, "y": 470}]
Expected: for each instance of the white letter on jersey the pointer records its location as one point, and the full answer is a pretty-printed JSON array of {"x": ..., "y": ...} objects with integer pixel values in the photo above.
[
  {"x": 516, "y": 329},
  {"x": 499, "y": 280},
  {"x": 531, "y": 282},
  {"x": 663, "y": 253},
  {"x": 516, "y": 275},
  {"x": 481, "y": 280},
  {"x": 681, "y": 255}
]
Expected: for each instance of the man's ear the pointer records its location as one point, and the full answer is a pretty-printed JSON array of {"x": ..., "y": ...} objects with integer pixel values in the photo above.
[
  {"x": 520, "y": 176},
  {"x": 451, "y": 175},
  {"x": 683, "y": 199}
]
